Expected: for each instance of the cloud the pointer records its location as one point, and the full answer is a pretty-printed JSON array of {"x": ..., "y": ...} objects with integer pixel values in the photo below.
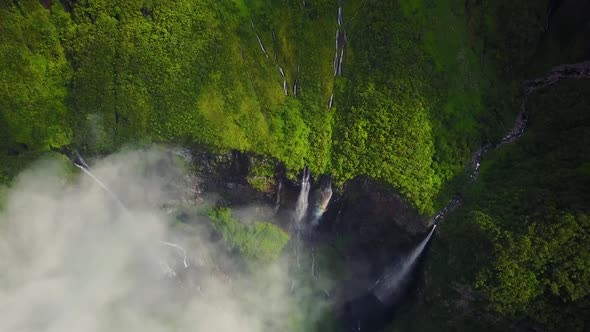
[{"x": 71, "y": 259}]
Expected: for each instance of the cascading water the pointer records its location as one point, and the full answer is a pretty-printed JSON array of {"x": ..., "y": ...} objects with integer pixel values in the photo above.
[
  {"x": 278, "y": 200},
  {"x": 302, "y": 200},
  {"x": 341, "y": 39},
  {"x": 261, "y": 46},
  {"x": 81, "y": 164},
  {"x": 336, "y": 53},
  {"x": 323, "y": 197},
  {"x": 394, "y": 279}
]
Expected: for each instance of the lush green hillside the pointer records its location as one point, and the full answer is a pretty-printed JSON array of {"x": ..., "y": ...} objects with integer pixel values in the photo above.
[
  {"x": 424, "y": 84},
  {"x": 413, "y": 102},
  {"x": 515, "y": 256},
  {"x": 526, "y": 226}
]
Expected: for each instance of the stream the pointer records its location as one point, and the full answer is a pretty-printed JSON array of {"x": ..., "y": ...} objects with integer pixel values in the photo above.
[{"x": 553, "y": 76}]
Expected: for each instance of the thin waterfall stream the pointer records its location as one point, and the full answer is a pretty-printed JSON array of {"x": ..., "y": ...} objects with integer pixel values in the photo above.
[{"x": 397, "y": 276}]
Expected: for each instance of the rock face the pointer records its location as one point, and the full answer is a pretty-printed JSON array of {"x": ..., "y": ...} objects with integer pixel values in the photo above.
[
  {"x": 371, "y": 208},
  {"x": 363, "y": 207},
  {"x": 225, "y": 174}
]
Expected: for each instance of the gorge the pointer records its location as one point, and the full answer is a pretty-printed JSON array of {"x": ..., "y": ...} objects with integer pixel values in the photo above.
[{"x": 327, "y": 165}]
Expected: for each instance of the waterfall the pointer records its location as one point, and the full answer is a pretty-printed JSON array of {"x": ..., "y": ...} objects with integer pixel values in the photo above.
[
  {"x": 302, "y": 200},
  {"x": 81, "y": 164},
  {"x": 395, "y": 278},
  {"x": 278, "y": 200},
  {"x": 323, "y": 197},
  {"x": 261, "y": 46},
  {"x": 340, "y": 61},
  {"x": 179, "y": 248},
  {"x": 341, "y": 39},
  {"x": 282, "y": 71},
  {"x": 339, "y": 52},
  {"x": 337, "y": 36},
  {"x": 336, "y": 63},
  {"x": 285, "y": 88}
]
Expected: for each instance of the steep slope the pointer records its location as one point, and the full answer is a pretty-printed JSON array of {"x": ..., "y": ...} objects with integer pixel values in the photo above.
[{"x": 349, "y": 88}]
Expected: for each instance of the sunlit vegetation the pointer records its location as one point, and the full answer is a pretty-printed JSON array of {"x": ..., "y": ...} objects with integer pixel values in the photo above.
[
  {"x": 33, "y": 76},
  {"x": 261, "y": 242},
  {"x": 106, "y": 74},
  {"x": 425, "y": 84}
]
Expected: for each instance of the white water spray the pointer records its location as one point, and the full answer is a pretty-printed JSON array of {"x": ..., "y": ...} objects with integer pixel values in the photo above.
[
  {"x": 261, "y": 46},
  {"x": 394, "y": 278},
  {"x": 101, "y": 184},
  {"x": 302, "y": 200},
  {"x": 322, "y": 199},
  {"x": 285, "y": 87},
  {"x": 340, "y": 61}
]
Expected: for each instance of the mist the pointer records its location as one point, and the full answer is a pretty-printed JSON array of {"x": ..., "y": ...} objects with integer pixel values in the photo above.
[{"x": 72, "y": 258}]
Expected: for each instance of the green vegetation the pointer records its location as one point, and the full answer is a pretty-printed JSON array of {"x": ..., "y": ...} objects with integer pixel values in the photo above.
[
  {"x": 527, "y": 226},
  {"x": 258, "y": 243},
  {"x": 98, "y": 74},
  {"x": 155, "y": 71},
  {"x": 33, "y": 78},
  {"x": 423, "y": 93},
  {"x": 425, "y": 84},
  {"x": 262, "y": 173},
  {"x": 12, "y": 165}
]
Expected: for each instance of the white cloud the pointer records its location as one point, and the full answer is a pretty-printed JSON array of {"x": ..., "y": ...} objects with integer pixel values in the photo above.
[{"x": 72, "y": 260}]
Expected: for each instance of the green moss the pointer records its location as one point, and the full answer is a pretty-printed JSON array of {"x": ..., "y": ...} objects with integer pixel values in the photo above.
[
  {"x": 33, "y": 76},
  {"x": 258, "y": 243}
]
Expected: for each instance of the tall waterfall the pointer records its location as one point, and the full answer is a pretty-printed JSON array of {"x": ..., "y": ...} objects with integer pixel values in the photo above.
[
  {"x": 393, "y": 279},
  {"x": 303, "y": 199}
]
